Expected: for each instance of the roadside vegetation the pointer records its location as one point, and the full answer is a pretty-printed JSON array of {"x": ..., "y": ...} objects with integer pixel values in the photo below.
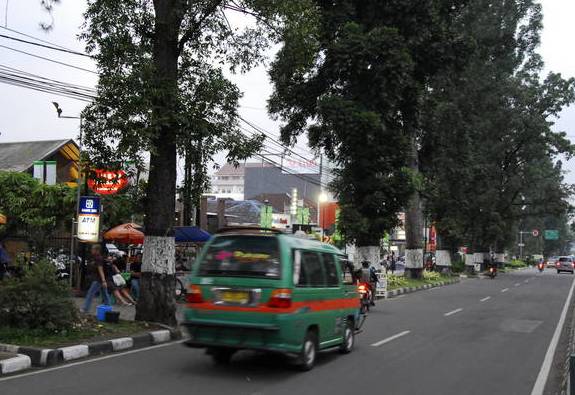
[
  {"x": 433, "y": 278},
  {"x": 38, "y": 310}
]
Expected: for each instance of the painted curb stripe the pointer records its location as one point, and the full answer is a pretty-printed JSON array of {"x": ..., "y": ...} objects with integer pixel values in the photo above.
[{"x": 11, "y": 365}]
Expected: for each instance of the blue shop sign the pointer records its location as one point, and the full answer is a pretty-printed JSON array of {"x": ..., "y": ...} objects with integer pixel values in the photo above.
[{"x": 89, "y": 205}]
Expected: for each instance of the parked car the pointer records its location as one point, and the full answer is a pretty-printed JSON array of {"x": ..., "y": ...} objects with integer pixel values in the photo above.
[
  {"x": 565, "y": 264},
  {"x": 269, "y": 291}
]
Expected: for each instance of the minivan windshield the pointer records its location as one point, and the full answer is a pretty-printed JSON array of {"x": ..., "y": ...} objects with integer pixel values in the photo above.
[{"x": 242, "y": 256}]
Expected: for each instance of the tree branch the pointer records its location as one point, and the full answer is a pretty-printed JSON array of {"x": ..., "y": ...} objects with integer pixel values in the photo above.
[{"x": 196, "y": 27}]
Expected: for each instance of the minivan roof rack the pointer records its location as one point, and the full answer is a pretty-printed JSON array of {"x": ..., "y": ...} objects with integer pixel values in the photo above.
[{"x": 248, "y": 229}]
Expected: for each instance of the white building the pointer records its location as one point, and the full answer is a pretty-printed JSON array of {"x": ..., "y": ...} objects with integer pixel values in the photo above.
[{"x": 228, "y": 181}]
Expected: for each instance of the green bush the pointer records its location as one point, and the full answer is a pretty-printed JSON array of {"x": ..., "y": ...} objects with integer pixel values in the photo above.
[
  {"x": 431, "y": 276},
  {"x": 394, "y": 281},
  {"x": 516, "y": 263},
  {"x": 458, "y": 266},
  {"x": 37, "y": 300}
]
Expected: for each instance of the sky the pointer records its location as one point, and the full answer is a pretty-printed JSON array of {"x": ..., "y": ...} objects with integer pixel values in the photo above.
[{"x": 29, "y": 115}]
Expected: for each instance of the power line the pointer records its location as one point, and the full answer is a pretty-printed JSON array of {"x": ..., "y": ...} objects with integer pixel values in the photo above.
[
  {"x": 35, "y": 38},
  {"x": 46, "y": 46},
  {"x": 47, "y": 59}
]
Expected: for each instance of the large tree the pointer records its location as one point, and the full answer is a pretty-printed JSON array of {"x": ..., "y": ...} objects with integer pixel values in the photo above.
[
  {"x": 489, "y": 143},
  {"x": 354, "y": 83},
  {"x": 161, "y": 89}
]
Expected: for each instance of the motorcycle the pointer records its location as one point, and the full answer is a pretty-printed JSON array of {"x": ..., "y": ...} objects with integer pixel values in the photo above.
[
  {"x": 540, "y": 266},
  {"x": 492, "y": 272},
  {"x": 365, "y": 296}
]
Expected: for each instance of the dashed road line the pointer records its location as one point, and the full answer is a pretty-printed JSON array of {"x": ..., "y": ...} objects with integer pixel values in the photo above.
[
  {"x": 505, "y": 290},
  {"x": 391, "y": 338},
  {"x": 517, "y": 284},
  {"x": 453, "y": 312},
  {"x": 526, "y": 281},
  {"x": 485, "y": 299}
]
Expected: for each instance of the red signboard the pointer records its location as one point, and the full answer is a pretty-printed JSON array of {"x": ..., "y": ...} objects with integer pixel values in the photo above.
[{"x": 108, "y": 182}]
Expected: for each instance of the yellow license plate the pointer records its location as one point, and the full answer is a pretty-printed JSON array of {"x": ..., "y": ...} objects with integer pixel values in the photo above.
[{"x": 239, "y": 297}]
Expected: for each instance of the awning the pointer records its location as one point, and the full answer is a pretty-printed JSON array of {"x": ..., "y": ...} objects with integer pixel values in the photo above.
[{"x": 191, "y": 234}]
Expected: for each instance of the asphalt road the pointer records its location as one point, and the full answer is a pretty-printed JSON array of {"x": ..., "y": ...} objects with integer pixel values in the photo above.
[{"x": 475, "y": 337}]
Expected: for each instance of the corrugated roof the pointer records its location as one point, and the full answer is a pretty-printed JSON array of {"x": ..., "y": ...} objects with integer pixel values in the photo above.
[{"x": 20, "y": 156}]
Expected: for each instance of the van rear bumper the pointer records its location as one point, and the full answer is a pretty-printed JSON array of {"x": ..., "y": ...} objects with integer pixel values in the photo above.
[
  {"x": 239, "y": 336},
  {"x": 190, "y": 324}
]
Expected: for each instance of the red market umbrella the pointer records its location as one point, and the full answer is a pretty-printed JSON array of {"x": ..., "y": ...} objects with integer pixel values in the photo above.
[{"x": 125, "y": 234}]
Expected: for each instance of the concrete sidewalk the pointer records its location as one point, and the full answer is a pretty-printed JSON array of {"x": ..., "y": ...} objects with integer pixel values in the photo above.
[{"x": 126, "y": 312}]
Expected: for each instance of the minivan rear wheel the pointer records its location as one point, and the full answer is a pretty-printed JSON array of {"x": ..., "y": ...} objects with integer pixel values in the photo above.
[
  {"x": 348, "y": 338},
  {"x": 308, "y": 353}
]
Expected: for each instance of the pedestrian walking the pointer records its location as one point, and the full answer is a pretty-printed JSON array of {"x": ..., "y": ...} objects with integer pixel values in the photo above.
[
  {"x": 98, "y": 279},
  {"x": 392, "y": 264}
]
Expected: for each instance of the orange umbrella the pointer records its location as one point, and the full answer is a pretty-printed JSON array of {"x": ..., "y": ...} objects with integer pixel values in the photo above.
[{"x": 125, "y": 234}]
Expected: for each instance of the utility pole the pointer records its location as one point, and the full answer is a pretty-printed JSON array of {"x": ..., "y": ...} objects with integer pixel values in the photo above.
[{"x": 78, "y": 183}]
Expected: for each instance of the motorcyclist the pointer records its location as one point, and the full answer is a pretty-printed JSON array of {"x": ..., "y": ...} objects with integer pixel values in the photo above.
[{"x": 369, "y": 277}]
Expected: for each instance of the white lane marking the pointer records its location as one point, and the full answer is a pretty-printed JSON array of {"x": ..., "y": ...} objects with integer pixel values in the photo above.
[
  {"x": 382, "y": 342},
  {"x": 505, "y": 290},
  {"x": 453, "y": 312},
  {"x": 526, "y": 281},
  {"x": 539, "y": 385},
  {"x": 517, "y": 284},
  {"x": 485, "y": 299},
  {"x": 69, "y": 365}
]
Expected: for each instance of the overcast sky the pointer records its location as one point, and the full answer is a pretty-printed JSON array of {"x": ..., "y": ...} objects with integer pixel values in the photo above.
[{"x": 29, "y": 115}]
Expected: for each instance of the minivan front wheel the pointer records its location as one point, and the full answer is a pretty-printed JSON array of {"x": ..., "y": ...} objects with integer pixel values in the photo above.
[
  {"x": 348, "y": 338},
  {"x": 308, "y": 353}
]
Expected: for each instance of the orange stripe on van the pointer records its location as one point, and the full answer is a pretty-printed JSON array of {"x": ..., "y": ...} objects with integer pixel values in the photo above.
[{"x": 313, "y": 305}]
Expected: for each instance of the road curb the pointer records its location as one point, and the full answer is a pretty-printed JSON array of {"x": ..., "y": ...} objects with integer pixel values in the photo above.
[
  {"x": 15, "y": 364},
  {"x": 28, "y": 357},
  {"x": 407, "y": 290}
]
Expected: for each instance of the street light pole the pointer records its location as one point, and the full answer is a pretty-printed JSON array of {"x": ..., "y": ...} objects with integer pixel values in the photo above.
[{"x": 78, "y": 183}]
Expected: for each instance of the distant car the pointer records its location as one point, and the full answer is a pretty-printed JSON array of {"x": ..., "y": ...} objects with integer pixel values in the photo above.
[
  {"x": 551, "y": 261},
  {"x": 565, "y": 264}
]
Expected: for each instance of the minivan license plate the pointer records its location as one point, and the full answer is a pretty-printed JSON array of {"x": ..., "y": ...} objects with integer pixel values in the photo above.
[{"x": 236, "y": 297}]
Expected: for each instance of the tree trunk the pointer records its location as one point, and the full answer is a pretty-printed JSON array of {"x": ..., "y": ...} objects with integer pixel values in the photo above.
[
  {"x": 414, "y": 222},
  {"x": 367, "y": 253},
  {"x": 157, "y": 303},
  {"x": 442, "y": 254},
  {"x": 187, "y": 202}
]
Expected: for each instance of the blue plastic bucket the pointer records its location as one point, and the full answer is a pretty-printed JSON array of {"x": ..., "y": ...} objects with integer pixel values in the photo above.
[{"x": 101, "y": 311}]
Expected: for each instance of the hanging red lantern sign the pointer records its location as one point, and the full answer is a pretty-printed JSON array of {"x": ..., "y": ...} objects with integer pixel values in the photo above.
[{"x": 108, "y": 182}]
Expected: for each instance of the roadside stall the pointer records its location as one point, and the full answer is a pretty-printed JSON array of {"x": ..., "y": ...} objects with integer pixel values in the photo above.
[{"x": 189, "y": 241}]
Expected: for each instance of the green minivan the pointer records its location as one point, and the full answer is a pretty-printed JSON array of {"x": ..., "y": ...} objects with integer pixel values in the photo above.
[{"x": 259, "y": 289}]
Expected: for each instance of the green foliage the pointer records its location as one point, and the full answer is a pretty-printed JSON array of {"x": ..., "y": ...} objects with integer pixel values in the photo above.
[
  {"x": 37, "y": 300},
  {"x": 431, "y": 276},
  {"x": 489, "y": 153},
  {"x": 458, "y": 266},
  {"x": 353, "y": 83},
  {"x": 516, "y": 263},
  {"x": 34, "y": 208},
  {"x": 123, "y": 207},
  {"x": 394, "y": 281}
]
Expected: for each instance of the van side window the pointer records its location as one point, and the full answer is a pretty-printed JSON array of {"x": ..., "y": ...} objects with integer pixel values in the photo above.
[
  {"x": 330, "y": 270},
  {"x": 311, "y": 271},
  {"x": 346, "y": 271}
]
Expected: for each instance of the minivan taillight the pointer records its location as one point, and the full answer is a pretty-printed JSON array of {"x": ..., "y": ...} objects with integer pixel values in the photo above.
[
  {"x": 280, "y": 298},
  {"x": 194, "y": 294}
]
